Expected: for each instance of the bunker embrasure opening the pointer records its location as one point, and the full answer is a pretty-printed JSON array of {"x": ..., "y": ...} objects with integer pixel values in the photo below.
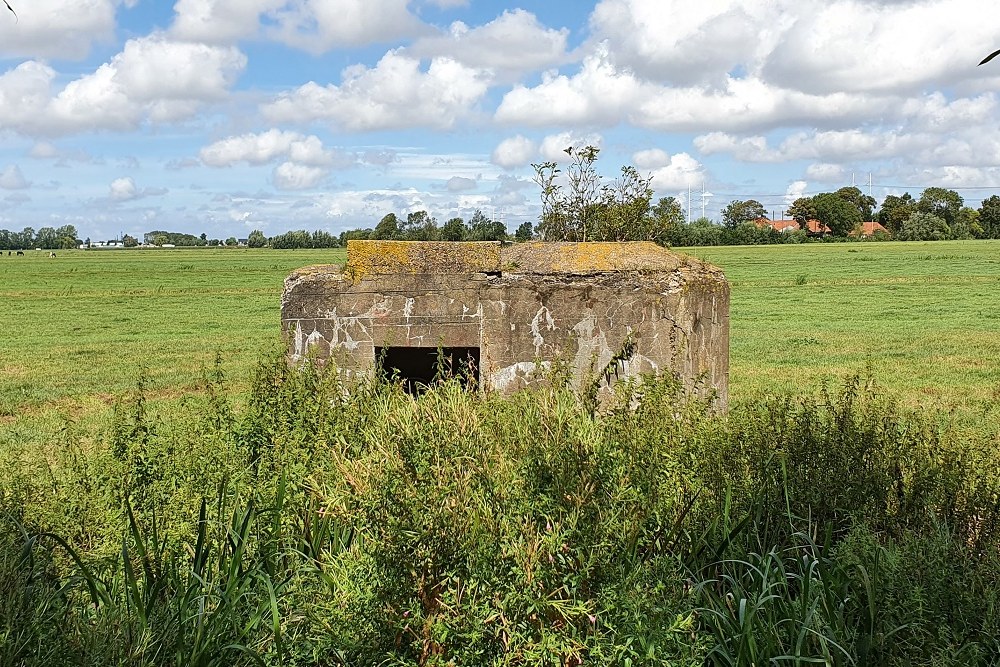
[{"x": 419, "y": 367}]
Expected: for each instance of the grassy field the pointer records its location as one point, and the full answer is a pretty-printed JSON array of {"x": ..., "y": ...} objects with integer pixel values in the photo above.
[
  {"x": 79, "y": 328},
  {"x": 925, "y": 317},
  {"x": 279, "y": 518}
]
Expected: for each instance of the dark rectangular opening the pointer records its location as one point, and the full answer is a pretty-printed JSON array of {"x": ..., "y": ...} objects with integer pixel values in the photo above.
[{"x": 419, "y": 367}]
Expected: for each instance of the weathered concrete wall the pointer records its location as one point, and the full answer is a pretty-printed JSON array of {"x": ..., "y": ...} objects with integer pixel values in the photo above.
[{"x": 525, "y": 306}]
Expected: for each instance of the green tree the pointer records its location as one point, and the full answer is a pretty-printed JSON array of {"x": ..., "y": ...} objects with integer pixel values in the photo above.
[
  {"x": 420, "y": 226},
  {"x": 482, "y": 228},
  {"x": 802, "y": 211},
  {"x": 454, "y": 230},
  {"x": 387, "y": 228},
  {"x": 323, "y": 239},
  {"x": 129, "y": 241},
  {"x": 256, "y": 239},
  {"x": 989, "y": 217},
  {"x": 896, "y": 210},
  {"x": 941, "y": 202},
  {"x": 667, "y": 221},
  {"x": 578, "y": 206},
  {"x": 47, "y": 238},
  {"x": 835, "y": 212},
  {"x": 160, "y": 239},
  {"x": 299, "y": 238},
  {"x": 354, "y": 234},
  {"x": 966, "y": 225},
  {"x": 523, "y": 232},
  {"x": 623, "y": 214},
  {"x": 924, "y": 227},
  {"x": 859, "y": 200},
  {"x": 66, "y": 237},
  {"x": 24, "y": 239},
  {"x": 569, "y": 214},
  {"x": 738, "y": 212},
  {"x": 703, "y": 231},
  {"x": 585, "y": 197}
]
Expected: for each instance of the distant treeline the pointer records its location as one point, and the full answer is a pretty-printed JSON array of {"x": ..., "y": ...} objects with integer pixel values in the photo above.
[
  {"x": 937, "y": 214},
  {"x": 49, "y": 238},
  {"x": 418, "y": 226}
]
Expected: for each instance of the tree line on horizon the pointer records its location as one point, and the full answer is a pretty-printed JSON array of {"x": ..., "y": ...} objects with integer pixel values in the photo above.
[
  {"x": 47, "y": 238},
  {"x": 579, "y": 205}
]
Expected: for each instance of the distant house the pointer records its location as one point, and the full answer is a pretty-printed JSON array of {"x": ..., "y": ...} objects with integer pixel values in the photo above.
[
  {"x": 869, "y": 229},
  {"x": 817, "y": 228},
  {"x": 782, "y": 226},
  {"x": 813, "y": 227}
]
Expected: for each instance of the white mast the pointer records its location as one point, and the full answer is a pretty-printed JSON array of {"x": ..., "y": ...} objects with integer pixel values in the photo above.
[{"x": 704, "y": 198}]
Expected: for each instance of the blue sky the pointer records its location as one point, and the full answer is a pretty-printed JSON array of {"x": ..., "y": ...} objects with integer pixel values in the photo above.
[{"x": 223, "y": 116}]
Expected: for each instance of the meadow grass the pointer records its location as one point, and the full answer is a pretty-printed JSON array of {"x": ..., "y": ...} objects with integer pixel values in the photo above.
[
  {"x": 78, "y": 328},
  {"x": 332, "y": 524},
  {"x": 922, "y": 317},
  {"x": 282, "y": 518}
]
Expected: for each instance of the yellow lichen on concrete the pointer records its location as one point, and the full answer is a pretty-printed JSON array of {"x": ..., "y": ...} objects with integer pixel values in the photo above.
[
  {"x": 542, "y": 257},
  {"x": 373, "y": 258}
]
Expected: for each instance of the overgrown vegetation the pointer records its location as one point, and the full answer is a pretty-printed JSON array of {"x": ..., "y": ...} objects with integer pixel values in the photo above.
[{"x": 325, "y": 524}]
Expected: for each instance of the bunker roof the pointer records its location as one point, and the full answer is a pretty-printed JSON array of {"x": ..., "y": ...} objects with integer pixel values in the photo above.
[{"x": 375, "y": 258}]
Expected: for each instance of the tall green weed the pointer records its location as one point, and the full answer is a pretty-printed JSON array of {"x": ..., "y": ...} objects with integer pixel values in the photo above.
[{"x": 334, "y": 523}]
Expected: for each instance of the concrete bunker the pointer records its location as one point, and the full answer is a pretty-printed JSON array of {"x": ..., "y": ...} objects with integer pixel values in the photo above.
[{"x": 507, "y": 314}]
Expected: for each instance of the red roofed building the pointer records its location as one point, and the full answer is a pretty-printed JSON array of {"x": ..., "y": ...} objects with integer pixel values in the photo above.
[
  {"x": 816, "y": 227},
  {"x": 869, "y": 229},
  {"x": 778, "y": 225},
  {"x": 812, "y": 226}
]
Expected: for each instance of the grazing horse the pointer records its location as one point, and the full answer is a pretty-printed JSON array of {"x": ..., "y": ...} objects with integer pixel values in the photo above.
[{"x": 20, "y": 252}]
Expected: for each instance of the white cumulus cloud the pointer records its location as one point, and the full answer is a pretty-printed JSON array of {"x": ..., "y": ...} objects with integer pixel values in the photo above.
[
  {"x": 554, "y": 146},
  {"x": 683, "y": 42},
  {"x": 319, "y": 25},
  {"x": 57, "y": 28},
  {"x": 651, "y": 158},
  {"x": 597, "y": 94},
  {"x": 152, "y": 78},
  {"x": 514, "y": 43},
  {"x": 291, "y": 176},
  {"x": 825, "y": 172},
  {"x": 682, "y": 171},
  {"x": 514, "y": 152},
  {"x": 219, "y": 21},
  {"x": 460, "y": 184},
  {"x": 396, "y": 93},
  {"x": 274, "y": 144},
  {"x": 11, "y": 178},
  {"x": 123, "y": 189}
]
